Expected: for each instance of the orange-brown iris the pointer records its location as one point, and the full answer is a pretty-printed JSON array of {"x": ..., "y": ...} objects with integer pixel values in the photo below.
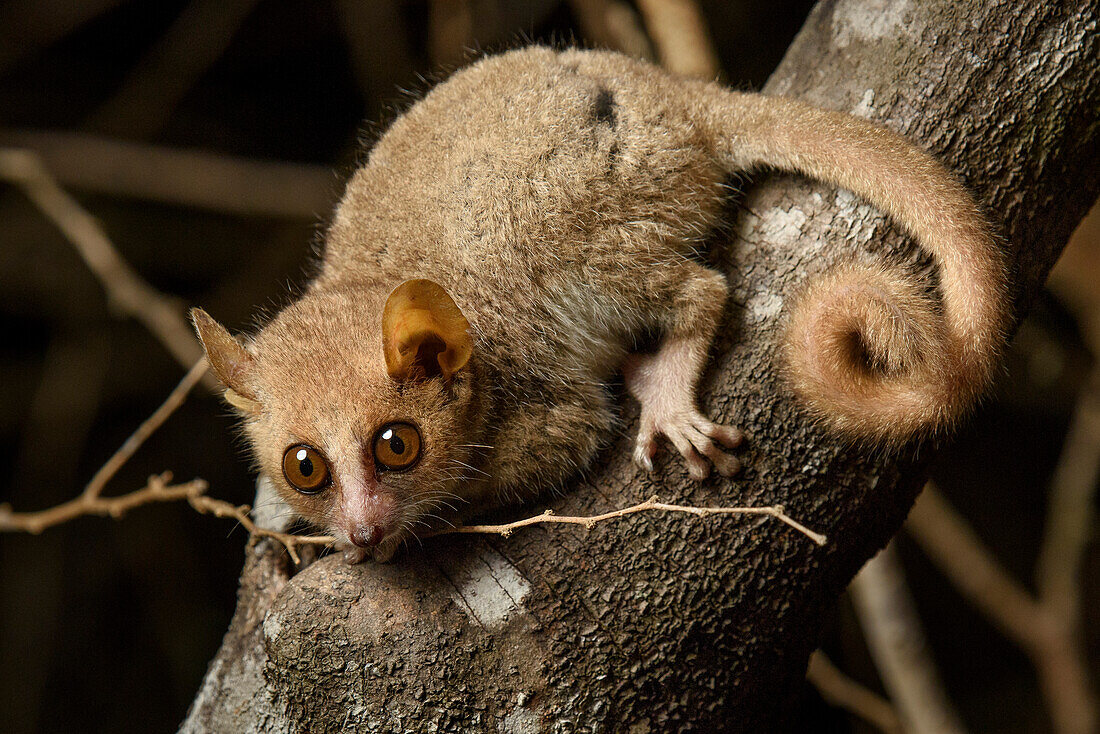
[
  {"x": 305, "y": 469},
  {"x": 397, "y": 446}
]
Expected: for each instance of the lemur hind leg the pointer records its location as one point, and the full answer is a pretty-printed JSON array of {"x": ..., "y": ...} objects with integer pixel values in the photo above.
[{"x": 664, "y": 381}]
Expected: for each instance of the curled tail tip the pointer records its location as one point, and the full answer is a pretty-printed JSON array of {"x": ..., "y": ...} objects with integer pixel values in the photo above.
[{"x": 870, "y": 356}]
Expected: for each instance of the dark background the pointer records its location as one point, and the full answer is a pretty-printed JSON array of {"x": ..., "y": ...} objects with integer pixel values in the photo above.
[{"x": 108, "y": 626}]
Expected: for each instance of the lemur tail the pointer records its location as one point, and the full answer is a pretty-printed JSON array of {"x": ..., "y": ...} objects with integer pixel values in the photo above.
[{"x": 872, "y": 354}]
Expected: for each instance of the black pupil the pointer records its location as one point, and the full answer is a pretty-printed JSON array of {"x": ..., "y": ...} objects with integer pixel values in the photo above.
[
  {"x": 397, "y": 446},
  {"x": 305, "y": 466}
]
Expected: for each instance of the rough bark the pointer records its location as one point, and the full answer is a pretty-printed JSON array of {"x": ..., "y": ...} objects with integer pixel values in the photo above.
[{"x": 657, "y": 622}]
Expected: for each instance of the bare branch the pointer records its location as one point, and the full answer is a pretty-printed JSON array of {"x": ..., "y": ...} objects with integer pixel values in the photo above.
[
  {"x": 1072, "y": 492},
  {"x": 90, "y": 502},
  {"x": 145, "y": 430},
  {"x": 679, "y": 32},
  {"x": 613, "y": 24},
  {"x": 450, "y": 31},
  {"x": 86, "y": 504},
  {"x": 896, "y": 640},
  {"x": 841, "y": 691},
  {"x": 950, "y": 543},
  {"x": 126, "y": 290},
  {"x": 199, "y": 36},
  {"x": 182, "y": 177},
  {"x": 241, "y": 513}
]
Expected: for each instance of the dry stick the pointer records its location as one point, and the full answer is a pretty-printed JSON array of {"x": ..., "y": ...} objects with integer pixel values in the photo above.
[
  {"x": 776, "y": 511},
  {"x": 950, "y": 543},
  {"x": 613, "y": 24},
  {"x": 199, "y": 36},
  {"x": 841, "y": 691},
  {"x": 219, "y": 508},
  {"x": 193, "y": 492},
  {"x": 90, "y": 502},
  {"x": 222, "y": 183},
  {"x": 145, "y": 430},
  {"x": 1059, "y": 569},
  {"x": 680, "y": 34},
  {"x": 157, "y": 489},
  {"x": 897, "y": 644},
  {"x": 126, "y": 290}
]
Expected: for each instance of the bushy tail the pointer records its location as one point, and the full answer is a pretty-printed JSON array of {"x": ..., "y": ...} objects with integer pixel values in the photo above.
[{"x": 866, "y": 347}]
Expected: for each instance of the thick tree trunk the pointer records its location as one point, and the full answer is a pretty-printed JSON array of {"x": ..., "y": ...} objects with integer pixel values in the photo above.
[{"x": 661, "y": 622}]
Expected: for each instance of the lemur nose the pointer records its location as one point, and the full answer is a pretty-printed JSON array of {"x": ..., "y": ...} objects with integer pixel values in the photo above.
[{"x": 366, "y": 536}]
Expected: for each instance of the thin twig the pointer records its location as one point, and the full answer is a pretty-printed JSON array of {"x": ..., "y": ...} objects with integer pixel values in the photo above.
[
  {"x": 679, "y": 32},
  {"x": 126, "y": 290},
  {"x": 90, "y": 501},
  {"x": 145, "y": 430},
  {"x": 241, "y": 513},
  {"x": 951, "y": 544},
  {"x": 222, "y": 183},
  {"x": 85, "y": 504},
  {"x": 157, "y": 489},
  {"x": 896, "y": 640},
  {"x": 37, "y": 521},
  {"x": 776, "y": 511},
  {"x": 841, "y": 691}
]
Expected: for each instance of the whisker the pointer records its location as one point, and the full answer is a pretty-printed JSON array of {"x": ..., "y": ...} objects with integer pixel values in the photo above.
[{"x": 471, "y": 468}]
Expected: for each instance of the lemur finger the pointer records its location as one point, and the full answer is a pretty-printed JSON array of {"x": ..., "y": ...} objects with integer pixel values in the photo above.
[
  {"x": 698, "y": 467},
  {"x": 729, "y": 436},
  {"x": 726, "y": 464}
]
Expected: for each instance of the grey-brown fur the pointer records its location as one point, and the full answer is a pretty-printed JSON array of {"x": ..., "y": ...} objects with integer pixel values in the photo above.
[{"x": 558, "y": 197}]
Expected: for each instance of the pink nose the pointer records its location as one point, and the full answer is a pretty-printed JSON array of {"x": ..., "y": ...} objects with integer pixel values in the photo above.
[{"x": 366, "y": 536}]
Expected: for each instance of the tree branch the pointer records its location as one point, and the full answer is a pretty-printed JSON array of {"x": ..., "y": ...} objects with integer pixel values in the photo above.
[
  {"x": 144, "y": 102},
  {"x": 126, "y": 290},
  {"x": 896, "y": 639},
  {"x": 191, "y": 178},
  {"x": 679, "y": 32},
  {"x": 613, "y": 24},
  {"x": 1045, "y": 629},
  {"x": 841, "y": 691}
]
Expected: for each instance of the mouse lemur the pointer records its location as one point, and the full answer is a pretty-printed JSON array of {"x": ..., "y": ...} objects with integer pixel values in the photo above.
[{"x": 512, "y": 235}]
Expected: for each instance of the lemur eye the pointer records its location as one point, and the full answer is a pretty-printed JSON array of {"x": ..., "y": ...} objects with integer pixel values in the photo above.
[
  {"x": 397, "y": 446},
  {"x": 305, "y": 469}
]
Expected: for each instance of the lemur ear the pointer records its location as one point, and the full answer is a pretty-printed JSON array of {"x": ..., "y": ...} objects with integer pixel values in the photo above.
[
  {"x": 424, "y": 334},
  {"x": 230, "y": 361}
]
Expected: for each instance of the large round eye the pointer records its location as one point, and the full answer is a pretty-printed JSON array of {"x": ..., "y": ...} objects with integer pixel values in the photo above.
[
  {"x": 305, "y": 469},
  {"x": 397, "y": 446}
]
